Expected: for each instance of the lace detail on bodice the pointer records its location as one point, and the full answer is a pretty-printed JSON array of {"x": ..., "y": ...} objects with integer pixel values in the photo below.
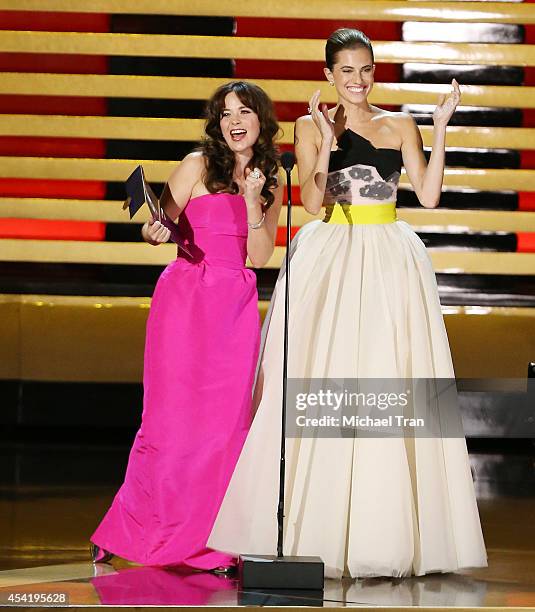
[
  {"x": 360, "y": 173},
  {"x": 360, "y": 184}
]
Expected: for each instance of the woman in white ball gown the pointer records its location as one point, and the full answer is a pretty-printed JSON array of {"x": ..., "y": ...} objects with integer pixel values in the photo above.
[{"x": 364, "y": 304}]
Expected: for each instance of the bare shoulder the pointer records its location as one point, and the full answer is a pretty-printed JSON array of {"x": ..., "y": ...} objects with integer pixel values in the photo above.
[
  {"x": 403, "y": 125},
  {"x": 194, "y": 159},
  {"x": 401, "y": 121},
  {"x": 306, "y": 126},
  {"x": 193, "y": 163},
  {"x": 305, "y": 122},
  {"x": 306, "y": 130},
  {"x": 188, "y": 172},
  {"x": 395, "y": 119}
]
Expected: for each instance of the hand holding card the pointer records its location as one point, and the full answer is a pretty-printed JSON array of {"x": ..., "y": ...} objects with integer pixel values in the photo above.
[{"x": 139, "y": 192}]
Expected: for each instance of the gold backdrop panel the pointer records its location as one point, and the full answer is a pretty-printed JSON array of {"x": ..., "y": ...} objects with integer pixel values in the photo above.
[
  {"x": 101, "y": 339},
  {"x": 376, "y": 10},
  {"x": 201, "y": 88},
  {"x": 236, "y": 47}
]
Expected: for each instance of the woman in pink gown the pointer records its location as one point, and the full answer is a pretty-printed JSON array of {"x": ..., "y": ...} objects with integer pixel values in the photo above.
[{"x": 202, "y": 340}]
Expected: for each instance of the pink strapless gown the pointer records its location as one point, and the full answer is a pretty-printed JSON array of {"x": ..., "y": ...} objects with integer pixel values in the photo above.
[{"x": 202, "y": 342}]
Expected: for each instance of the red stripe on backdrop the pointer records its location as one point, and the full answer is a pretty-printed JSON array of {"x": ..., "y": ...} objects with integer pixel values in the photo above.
[
  {"x": 529, "y": 30},
  {"x": 53, "y": 147},
  {"x": 52, "y": 105},
  {"x": 525, "y": 242},
  {"x": 296, "y": 195},
  {"x": 526, "y": 200},
  {"x": 529, "y": 37},
  {"x": 529, "y": 75},
  {"x": 528, "y": 117},
  {"x": 527, "y": 159},
  {"x": 281, "y": 235},
  {"x": 49, "y": 21},
  {"x": 313, "y": 28},
  {"x": 45, "y": 229},
  {"x": 286, "y": 147},
  {"x": 48, "y": 188},
  {"x": 62, "y": 64},
  {"x": 289, "y": 111},
  {"x": 291, "y": 69}
]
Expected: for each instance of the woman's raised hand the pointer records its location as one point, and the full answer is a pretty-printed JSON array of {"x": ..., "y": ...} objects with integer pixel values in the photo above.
[
  {"x": 154, "y": 232},
  {"x": 321, "y": 117},
  {"x": 252, "y": 188},
  {"x": 447, "y": 104}
]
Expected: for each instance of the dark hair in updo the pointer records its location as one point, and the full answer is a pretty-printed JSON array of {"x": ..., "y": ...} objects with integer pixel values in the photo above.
[
  {"x": 345, "y": 38},
  {"x": 218, "y": 156}
]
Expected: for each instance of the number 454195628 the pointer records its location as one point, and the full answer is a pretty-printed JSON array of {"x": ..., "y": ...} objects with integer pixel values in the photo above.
[{"x": 24, "y": 599}]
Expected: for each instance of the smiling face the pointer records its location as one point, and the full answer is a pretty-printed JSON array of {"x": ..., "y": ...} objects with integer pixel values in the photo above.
[
  {"x": 352, "y": 74},
  {"x": 239, "y": 124}
]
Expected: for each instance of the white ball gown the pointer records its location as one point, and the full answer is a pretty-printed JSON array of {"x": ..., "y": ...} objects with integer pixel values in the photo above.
[{"x": 363, "y": 304}]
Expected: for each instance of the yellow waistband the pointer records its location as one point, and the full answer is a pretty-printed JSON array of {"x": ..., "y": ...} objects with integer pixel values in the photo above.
[{"x": 360, "y": 214}]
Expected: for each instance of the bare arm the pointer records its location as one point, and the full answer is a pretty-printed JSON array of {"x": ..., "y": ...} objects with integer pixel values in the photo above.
[
  {"x": 425, "y": 178},
  {"x": 261, "y": 241},
  {"x": 313, "y": 162},
  {"x": 175, "y": 196}
]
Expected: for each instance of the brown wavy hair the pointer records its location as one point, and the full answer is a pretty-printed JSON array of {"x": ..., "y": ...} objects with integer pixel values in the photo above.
[{"x": 219, "y": 158}]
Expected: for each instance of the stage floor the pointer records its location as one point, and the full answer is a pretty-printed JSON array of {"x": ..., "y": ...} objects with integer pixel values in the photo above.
[
  {"x": 509, "y": 581},
  {"x": 53, "y": 497}
]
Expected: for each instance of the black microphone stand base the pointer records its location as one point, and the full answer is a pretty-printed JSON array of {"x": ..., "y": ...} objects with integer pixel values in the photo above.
[
  {"x": 272, "y": 572},
  {"x": 281, "y": 597}
]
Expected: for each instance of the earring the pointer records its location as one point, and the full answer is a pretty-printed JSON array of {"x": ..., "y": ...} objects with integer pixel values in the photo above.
[{"x": 331, "y": 83}]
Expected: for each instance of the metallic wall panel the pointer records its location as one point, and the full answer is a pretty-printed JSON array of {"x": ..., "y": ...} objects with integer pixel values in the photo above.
[
  {"x": 481, "y": 116},
  {"x": 10, "y": 337},
  {"x": 111, "y": 211},
  {"x": 82, "y": 339},
  {"x": 375, "y": 10},
  {"x": 470, "y": 74},
  {"x": 201, "y": 88},
  {"x": 185, "y": 45},
  {"x": 102, "y": 339},
  {"x": 485, "y": 32},
  {"x": 466, "y": 199},
  {"x": 490, "y": 342},
  {"x": 65, "y": 251},
  {"x": 159, "y": 170},
  {"x": 188, "y": 130}
]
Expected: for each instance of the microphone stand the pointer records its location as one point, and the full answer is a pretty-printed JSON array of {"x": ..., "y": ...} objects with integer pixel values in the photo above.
[
  {"x": 282, "y": 473},
  {"x": 280, "y": 572}
]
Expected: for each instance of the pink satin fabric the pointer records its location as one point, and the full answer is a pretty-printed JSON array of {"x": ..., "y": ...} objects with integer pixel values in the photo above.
[
  {"x": 156, "y": 586},
  {"x": 201, "y": 349}
]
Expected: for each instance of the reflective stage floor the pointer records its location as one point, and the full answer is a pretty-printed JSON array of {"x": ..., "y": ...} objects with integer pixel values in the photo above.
[{"x": 54, "y": 495}]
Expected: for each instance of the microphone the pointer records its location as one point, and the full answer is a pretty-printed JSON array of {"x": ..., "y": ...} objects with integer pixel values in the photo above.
[{"x": 288, "y": 161}]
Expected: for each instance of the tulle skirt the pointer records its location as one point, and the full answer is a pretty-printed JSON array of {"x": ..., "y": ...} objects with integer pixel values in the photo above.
[{"x": 363, "y": 304}]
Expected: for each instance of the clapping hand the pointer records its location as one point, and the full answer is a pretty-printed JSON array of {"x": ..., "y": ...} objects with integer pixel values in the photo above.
[
  {"x": 320, "y": 116},
  {"x": 447, "y": 104}
]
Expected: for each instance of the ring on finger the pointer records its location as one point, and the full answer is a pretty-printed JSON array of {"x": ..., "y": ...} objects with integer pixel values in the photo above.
[{"x": 255, "y": 174}]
